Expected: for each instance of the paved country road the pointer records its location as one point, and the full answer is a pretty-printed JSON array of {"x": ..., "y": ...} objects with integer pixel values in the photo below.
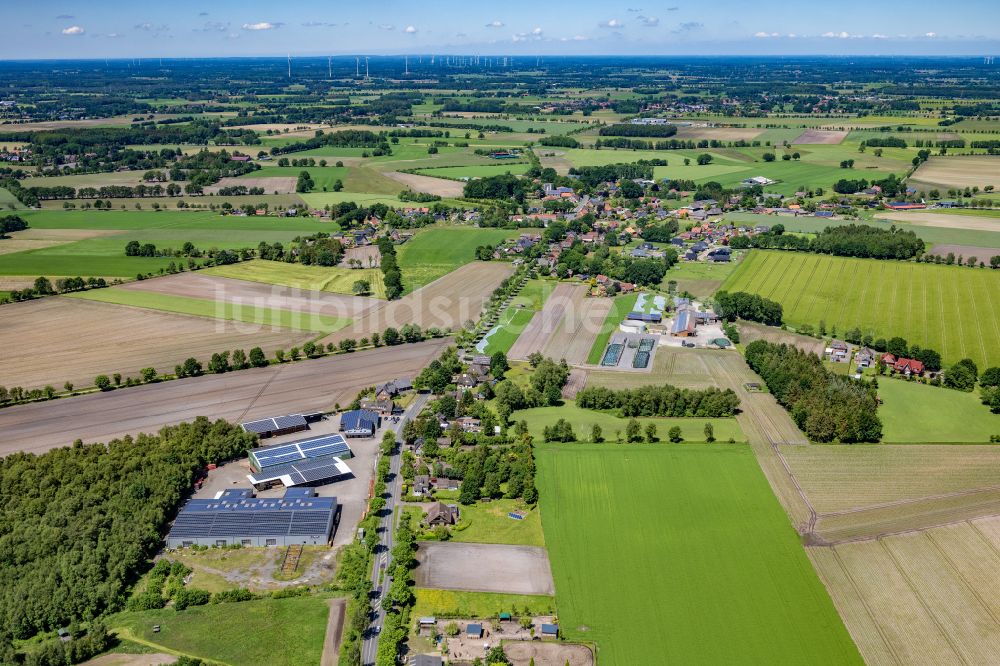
[{"x": 386, "y": 529}]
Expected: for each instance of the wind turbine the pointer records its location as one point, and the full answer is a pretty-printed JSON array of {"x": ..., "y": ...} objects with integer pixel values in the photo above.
[
  {"x": 366, "y": 69},
  {"x": 289, "y": 65},
  {"x": 407, "y": 60},
  {"x": 357, "y": 67},
  {"x": 329, "y": 66}
]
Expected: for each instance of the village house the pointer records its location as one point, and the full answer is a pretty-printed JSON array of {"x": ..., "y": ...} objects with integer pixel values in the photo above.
[{"x": 440, "y": 513}]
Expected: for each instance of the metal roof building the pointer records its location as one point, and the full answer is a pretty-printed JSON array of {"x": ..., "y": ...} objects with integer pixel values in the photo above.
[
  {"x": 278, "y": 425},
  {"x": 237, "y": 517},
  {"x": 309, "y": 472},
  {"x": 302, "y": 449}
]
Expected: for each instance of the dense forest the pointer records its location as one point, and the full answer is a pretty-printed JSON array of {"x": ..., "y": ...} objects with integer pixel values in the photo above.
[
  {"x": 826, "y": 406},
  {"x": 78, "y": 524}
]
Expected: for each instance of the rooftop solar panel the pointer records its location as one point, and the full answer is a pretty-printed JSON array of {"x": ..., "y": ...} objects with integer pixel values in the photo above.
[
  {"x": 315, "y": 447},
  {"x": 302, "y": 471}
]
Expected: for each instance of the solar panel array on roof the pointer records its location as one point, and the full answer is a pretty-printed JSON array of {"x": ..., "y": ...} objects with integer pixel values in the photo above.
[
  {"x": 302, "y": 471},
  {"x": 267, "y": 427},
  {"x": 235, "y": 519},
  {"x": 314, "y": 447}
]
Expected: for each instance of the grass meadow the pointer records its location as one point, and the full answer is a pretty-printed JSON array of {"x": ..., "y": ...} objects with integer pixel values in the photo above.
[
  {"x": 334, "y": 279},
  {"x": 953, "y": 310},
  {"x": 453, "y": 603},
  {"x": 681, "y": 554},
  {"x": 511, "y": 324},
  {"x": 915, "y": 413},
  {"x": 435, "y": 252},
  {"x": 203, "y": 307},
  {"x": 267, "y": 631}
]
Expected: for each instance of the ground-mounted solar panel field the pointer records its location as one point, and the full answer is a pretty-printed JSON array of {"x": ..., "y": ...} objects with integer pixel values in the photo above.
[{"x": 954, "y": 310}]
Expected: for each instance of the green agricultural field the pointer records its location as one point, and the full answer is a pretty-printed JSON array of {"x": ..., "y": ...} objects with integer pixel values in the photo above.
[
  {"x": 353, "y": 179},
  {"x": 953, "y": 310},
  {"x": 476, "y": 171},
  {"x": 534, "y": 293},
  {"x": 435, "y": 252},
  {"x": 452, "y": 603},
  {"x": 680, "y": 554},
  {"x": 316, "y": 278},
  {"x": 512, "y": 323},
  {"x": 932, "y": 235},
  {"x": 915, "y": 413},
  {"x": 8, "y": 201},
  {"x": 621, "y": 307},
  {"x": 582, "y": 420},
  {"x": 268, "y": 631},
  {"x": 133, "y": 220},
  {"x": 202, "y": 307}
]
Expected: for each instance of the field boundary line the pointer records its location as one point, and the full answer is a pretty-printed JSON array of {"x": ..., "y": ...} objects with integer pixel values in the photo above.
[
  {"x": 864, "y": 602},
  {"x": 979, "y": 326},
  {"x": 911, "y": 530},
  {"x": 815, "y": 264},
  {"x": 920, "y": 598},
  {"x": 989, "y": 543},
  {"x": 958, "y": 574},
  {"x": 905, "y": 502}
]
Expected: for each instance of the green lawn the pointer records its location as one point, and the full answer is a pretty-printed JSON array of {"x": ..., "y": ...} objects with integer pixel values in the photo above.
[
  {"x": 452, "y": 603},
  {"x": 915, "y": 413},
  {"x": 317, "y": 278},
  {"x": 489, "y": 523},
  {"x": 953, "y": 310},
  {"x": 201, "y": 307},
  {"x": 8, "y": 201},
  {"x": 622, "y": 306},
  {"x": 435, "y": 252},
  {"x": 582, "y": 420},
  {"x": 681, "y": 555},
  {"x": 534, "y": 293},
  {"x": 267, "y": 631}
]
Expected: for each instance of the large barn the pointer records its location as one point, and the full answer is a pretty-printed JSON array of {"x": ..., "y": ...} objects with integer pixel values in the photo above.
[
  {"x": 306, "y": 462},
  {"x": 277, "y": 425},
  {"x": 237, "y": 517}
]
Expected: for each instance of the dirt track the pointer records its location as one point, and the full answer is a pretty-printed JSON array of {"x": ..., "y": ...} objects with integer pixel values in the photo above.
[
  {"x": 446, "y": 303},
  {"x": 72, "y": 339},
  {"x": 334, "y": 632},
  {"x": 439, "y": 186},
  {"x": 248, "y": 394},
  {"x": 258, "y": 294},
  {"x": 483, "y": 567}
]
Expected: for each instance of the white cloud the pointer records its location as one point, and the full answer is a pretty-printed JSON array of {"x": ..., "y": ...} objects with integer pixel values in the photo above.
[
  {"x": 537, "y": 32},
  {"x": 386, "y": 26},
  {"x": 765, "y": 35},
  {"x": 65, "y": 17},
  {"x": 837, "y": 35},
  {"x": 495, "y": 24},
  {"x": 931, "y": 35},
  {"x": 649, "y": 21},
  {"x": 144, "y": 26},
  {"x": 688, "y": 27},
  {"x": 878, "y": 36},
  {"x": 213, "y": 26},
  {"x": 73, "y": 30},
  {"x": 410, "y": 30},
  {"x": 263, "y": 25},
  {"x": 612, "y": 24}
]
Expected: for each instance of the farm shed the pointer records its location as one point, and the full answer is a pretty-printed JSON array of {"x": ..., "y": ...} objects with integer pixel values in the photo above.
[
  {"x": 277, "y": 425},
  {"x": 360, "y": 423},
  {"x": 237, "y": 517},
  {"x": 303, "y": 449}
]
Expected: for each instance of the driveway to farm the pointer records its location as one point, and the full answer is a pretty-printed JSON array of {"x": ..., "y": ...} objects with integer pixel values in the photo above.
[{"x": 305, "y": 386}]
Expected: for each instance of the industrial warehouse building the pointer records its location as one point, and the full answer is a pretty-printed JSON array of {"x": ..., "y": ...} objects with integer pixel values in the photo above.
[
  {"x": 237, "y": 517},
  {"x": 360, "y": 423},
  {"x": 279, "y": 425},
  {"x": 307, "y": 462}
]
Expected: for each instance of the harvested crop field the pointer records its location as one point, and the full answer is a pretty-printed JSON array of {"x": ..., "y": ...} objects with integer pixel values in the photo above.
[
  {"x": 958, "y": 171},
  {"x": 483, "y": 567},
  {"x": 566, "y": 327},
  {"x": 76, "y": 339},
  {"x": 821, "y": 137},
  {"x": 449, "y": 189},
  {"x": 368, "y": 255},
  {"x": 306, "y": 386},
  {"x": 750, "y": 331},
  {"x": 446, "y": 303},
  {"x": 982, "y": 254},
  {"x": 271, "y": 185},
  {"x": 336, "y": 279},
  {"x": 928, "y": 597},
  {"x": 244, "y": 292},
  {"x": 922, "y": 218}
]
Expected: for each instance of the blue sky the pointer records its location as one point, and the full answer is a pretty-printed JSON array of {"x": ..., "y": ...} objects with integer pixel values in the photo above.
[{"x": 113, "y": 28}]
